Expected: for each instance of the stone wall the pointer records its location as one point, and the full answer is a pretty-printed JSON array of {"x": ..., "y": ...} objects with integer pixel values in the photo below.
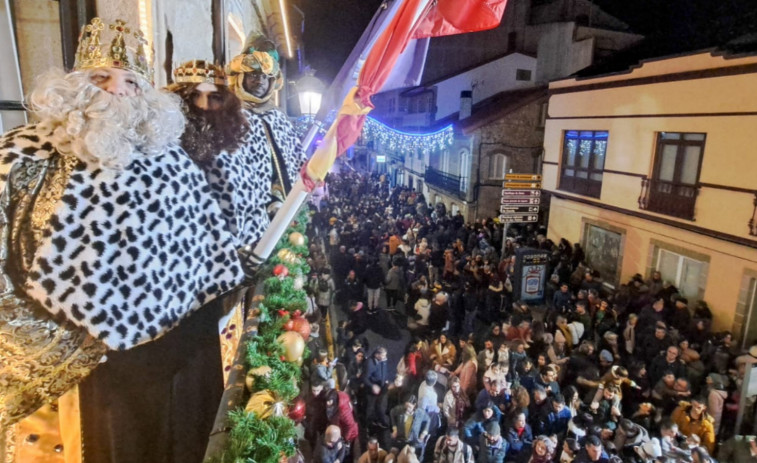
[{"x": 519, "y": 138}]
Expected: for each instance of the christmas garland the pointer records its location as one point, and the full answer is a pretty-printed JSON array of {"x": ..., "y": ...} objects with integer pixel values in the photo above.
[{"x": 264, "y": 431}]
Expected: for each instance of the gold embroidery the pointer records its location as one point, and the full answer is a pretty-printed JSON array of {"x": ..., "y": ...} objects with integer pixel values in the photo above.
[{"x": 50, "y": 194}]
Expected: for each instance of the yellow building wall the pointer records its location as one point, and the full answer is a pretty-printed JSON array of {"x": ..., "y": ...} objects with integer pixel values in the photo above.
[{"x": 728, "y": 262}]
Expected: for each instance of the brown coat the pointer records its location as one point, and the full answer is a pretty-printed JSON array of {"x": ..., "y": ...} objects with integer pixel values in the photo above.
[{"x": 688, "y": 426}]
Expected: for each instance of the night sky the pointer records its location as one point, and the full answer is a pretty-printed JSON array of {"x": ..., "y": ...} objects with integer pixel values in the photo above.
[{"x": 332, "y": 27}]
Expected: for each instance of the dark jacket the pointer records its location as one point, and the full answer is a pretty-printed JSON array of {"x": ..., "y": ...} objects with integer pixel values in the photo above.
[
  {"x": 491, "y": 454},
  {"x": 519, "y": 446}
]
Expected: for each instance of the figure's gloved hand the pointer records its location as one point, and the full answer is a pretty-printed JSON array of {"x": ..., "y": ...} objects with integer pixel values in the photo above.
[{"x": 250, "y": 264}]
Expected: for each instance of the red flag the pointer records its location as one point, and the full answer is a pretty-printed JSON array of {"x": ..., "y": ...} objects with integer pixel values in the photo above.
[
  {"x": 450, "y": 17},
  {"x": 440, "y": 17}
]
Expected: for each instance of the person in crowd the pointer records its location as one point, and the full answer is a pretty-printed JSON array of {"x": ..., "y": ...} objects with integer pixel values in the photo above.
[
  {"x": 450, "y": 448},
  {"x": 692, "y": 419},
  {"x": 492, "y": 448},
  {"x": 519, "y": 438},
  {"x": 376, "y": 383},
  {"x": 331, "y": 448},
  {"x": 373, "y": 453},
  {"x": 543, "y": 449},
  {"x": 410, "y": 424},
  {"x": 339, "y": 412},
  {"x": 456, "y": 404}
]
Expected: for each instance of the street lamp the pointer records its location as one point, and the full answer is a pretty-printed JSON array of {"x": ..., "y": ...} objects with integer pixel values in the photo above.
[{"x": 309, "y": 92}]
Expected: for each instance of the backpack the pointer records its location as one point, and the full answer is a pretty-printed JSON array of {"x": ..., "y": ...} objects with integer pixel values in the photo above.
[{"x": 323, "y": 285}]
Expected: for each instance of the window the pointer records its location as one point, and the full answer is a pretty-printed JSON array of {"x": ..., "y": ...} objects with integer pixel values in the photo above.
[
  {"x": 523, "y": 74},
  {"x": 465, "y": 168},
  {"x": 604, "y": 252},
  {"x": 497, "y": 166},
  {"x": 675, "y": 183},
  {"x": 583, "y": 162},
  {"x": 685, "y": 273},
  {"x": 749, "y": 327}
]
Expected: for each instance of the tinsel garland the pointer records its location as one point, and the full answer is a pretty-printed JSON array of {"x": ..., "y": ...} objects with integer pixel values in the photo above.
[{"x": 255, "y": 440}]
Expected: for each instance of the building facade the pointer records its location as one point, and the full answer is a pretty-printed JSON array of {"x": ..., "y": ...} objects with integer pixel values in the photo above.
[
  {"x": 653, "y": 170},
  {"x": 36, "y": 35}
]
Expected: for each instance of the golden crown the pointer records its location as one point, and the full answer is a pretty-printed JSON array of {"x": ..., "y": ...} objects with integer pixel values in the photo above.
[
  {"x": 90, "y": 54},
  {"x": 199, "y": 71}
]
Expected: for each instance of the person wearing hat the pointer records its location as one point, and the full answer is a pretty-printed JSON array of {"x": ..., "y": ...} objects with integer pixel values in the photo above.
[
  {"x": 114, "y": 244},
  {"x": 492, "y": 448},
  {"x": 275, "y": 153},
  {"x": 450, "y": 449}
]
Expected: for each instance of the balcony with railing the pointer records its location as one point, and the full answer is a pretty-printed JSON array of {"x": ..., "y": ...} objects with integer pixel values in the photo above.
[
  {"x": 445, "y": 181},
  {"x": 670, "y": 198}
]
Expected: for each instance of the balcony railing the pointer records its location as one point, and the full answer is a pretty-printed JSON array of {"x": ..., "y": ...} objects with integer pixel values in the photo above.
[
  {"x": 445, "y": 181},
  {"x": 669, "y": 198}
]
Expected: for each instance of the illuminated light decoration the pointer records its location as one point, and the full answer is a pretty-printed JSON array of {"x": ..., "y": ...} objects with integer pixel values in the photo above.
[
  {"x": 404, "y": 142},
  {"x": 285, "y": 22}
]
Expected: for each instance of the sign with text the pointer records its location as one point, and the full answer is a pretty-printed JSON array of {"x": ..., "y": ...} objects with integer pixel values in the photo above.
[
  {"x": 507, "y": 209},
  {"x": 518, "y": 218},
  {"x": 521, "y": 193},
  {"x": 522, "y": 177},
  {"x": 521, "y": 185},
  {"x": 516, "y": 201}
]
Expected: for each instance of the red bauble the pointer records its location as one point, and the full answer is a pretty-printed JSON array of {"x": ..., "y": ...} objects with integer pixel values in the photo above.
[
  {"x": 289, "y": 325},
  {"x": 280, "y": 270},
  {"x": 301, "y": 326},
  {"x": 297, "y": 410}
]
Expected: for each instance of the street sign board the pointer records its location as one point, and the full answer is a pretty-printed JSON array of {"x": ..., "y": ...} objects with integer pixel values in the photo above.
[
  {"x": 521, "y": 185},
  {"x": 518, "y": 218},
  {"x": 522, "y": 177},
  {"x": 517, "y": 201},
  {"x": 517, "y": 209},
  {"x": 520, "y": 193}
]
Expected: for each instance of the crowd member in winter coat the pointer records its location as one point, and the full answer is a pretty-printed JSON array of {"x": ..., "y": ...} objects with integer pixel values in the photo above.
[
  {"x": 339, "y": 412},
  {"x": 451, "y": 449},
  {"x": 492, "y": 448}
]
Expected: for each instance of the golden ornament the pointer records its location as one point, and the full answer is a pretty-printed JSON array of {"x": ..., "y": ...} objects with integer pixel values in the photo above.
[
  {"x": 286, "y": 255},
  {"x": 297, "y": 239},
  {"x": 249, "y": 380},
  {"x": 263, "y": 404},
  {"x": 294, "y": 346}
]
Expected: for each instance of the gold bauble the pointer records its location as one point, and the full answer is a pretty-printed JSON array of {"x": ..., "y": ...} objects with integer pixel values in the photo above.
[
  {"x": 263, "y": 404},
  {"x": 297, "y": 239},
  {"x": 294, "y": 346},
  {"x": 286, "y": 255},
  {"x": 249, "y": 380}
]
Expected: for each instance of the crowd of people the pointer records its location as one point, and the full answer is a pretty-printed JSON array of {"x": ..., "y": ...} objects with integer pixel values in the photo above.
[{"x": 594, "y": 374}]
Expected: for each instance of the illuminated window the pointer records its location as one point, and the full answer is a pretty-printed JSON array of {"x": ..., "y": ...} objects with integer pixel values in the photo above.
[{"x": 583, "y": 162}]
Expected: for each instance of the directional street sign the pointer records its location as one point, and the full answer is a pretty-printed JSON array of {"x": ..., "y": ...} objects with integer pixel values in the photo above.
[
  {"x": 518, "y": 209},
  {"x": 517, "y": 201},
  {"x": 522, "y": 177},
  {"x": 521, "y": 185},
  {"x": 520, "y": 193},
  {"x": 518, "y": 218}
]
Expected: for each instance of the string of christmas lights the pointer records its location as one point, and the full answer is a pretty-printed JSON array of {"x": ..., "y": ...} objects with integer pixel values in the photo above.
[{"x": 404, "y": 142}]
